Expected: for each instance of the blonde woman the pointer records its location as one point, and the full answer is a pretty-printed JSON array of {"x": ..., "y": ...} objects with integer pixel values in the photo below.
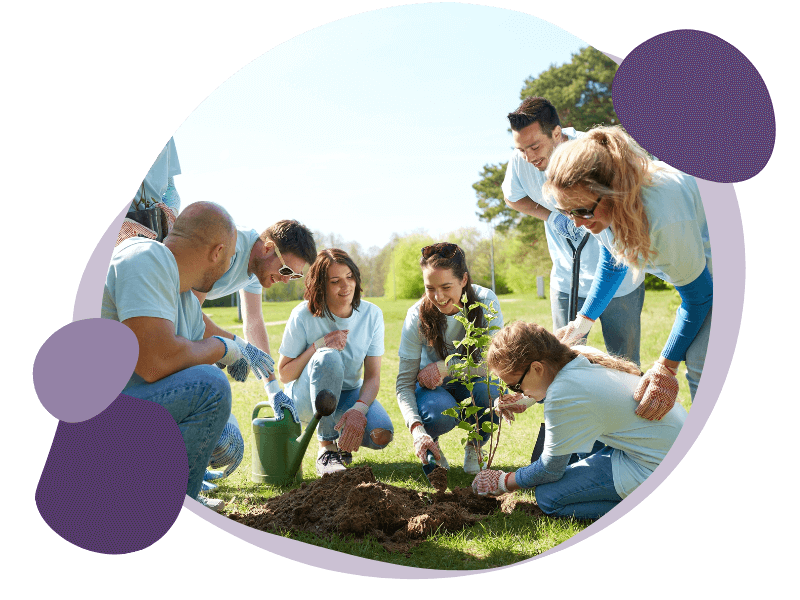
[
  {"x": 650, "y": 218},
  {"x": 588, "y": 401}
]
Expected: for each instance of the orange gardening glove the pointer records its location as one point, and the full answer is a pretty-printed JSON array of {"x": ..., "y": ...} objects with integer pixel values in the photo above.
[
  {"x": 656, "y": 392},
  {"x": 490, "y": 482},
  {"x": 352, "y": 425},
  {"x": 432, "y": 376}
]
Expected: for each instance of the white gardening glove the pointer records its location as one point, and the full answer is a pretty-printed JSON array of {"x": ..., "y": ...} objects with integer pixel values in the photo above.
[
  {"x": 656, "y": 392},
  {"x": 335, "y": 339},
  {"x": 432, "y": 376},
  {"x": 490, "y": 482},
  {"x": 259, "y": 361},
  {"x": 423, "y": 442},
  {"x": 574, "y": 330},
  {"x": 509, "y": 405},
  {"x": 279, "y": 400},
  {"x": 232, "y": 352}
]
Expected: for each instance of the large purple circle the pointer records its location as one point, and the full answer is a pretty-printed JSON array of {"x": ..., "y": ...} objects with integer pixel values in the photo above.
[{"x": 697, "y": 103}]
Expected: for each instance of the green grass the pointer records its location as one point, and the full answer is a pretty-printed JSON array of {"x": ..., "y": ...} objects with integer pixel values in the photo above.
[{"x": 496, "y": 541}]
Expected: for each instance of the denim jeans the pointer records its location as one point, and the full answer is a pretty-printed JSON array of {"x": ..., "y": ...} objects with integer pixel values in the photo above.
[
  {"x": 696, "y": 355},
  {"x": 621, "y": 320},
  {"x": 325, "y": 371},
  {"x": 431, "y": 403},
  {"x": 199, "y": 399},
  {"x": 586, "y": 491}
]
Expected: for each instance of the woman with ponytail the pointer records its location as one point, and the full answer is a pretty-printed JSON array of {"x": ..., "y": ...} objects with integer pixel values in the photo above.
[
  {"x": 648, "y": 217},
  {"x": 596, "y": 450},
  {"x": 424, "y": 386}
]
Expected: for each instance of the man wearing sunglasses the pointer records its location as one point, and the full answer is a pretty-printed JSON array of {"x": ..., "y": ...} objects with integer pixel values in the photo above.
[{"x": 537, "y": 131}]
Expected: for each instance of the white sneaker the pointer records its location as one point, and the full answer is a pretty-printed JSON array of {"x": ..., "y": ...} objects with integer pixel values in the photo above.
[
  {"x": 471, "y": 464},
  {"x": 214, "y": 504}
]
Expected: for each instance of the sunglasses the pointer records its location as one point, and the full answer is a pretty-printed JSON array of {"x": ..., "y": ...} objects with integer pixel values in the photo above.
[
  {"x": 286, "y": 270},
  {"x": 581, "y": 213},
  {"x": 518, "y": 386},
  {"x": 443, "y": 249}
]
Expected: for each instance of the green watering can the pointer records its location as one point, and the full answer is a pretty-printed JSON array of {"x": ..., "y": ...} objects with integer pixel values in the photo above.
[{"x": 278, "y": 447}]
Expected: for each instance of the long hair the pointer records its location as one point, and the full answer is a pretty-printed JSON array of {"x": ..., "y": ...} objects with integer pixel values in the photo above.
[
  {"x": 432, "y": 321},
  {"x": 317, "y": 281},
  {"x": 607, "y": 162},
  {"x": 518, "y": 344}
]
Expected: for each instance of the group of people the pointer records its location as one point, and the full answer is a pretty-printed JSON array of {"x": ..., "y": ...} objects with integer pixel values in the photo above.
[{"x": 608, "y": 425}]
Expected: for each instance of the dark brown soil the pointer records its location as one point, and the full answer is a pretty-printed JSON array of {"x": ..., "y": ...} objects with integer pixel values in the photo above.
[
  {"x": 438, "y": 479},
  {"x": 353, "y": 503}
]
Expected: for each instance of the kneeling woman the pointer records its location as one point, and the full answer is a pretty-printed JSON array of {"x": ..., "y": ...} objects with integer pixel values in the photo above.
[
  {"x": 328, "y": 338},
  {"x": 587, "y": 398},
  {"x": 424, "y": 387}
]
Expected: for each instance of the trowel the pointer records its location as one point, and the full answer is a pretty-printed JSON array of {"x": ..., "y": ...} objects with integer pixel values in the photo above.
[{"x": 430, "y": 468}]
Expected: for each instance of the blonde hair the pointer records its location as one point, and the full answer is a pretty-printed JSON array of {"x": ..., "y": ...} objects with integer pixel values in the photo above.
[
  {"x": 519, "y": 344},
  {"x": 607, "y": 162}
]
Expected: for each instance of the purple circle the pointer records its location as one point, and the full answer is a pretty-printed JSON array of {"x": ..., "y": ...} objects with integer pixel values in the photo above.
[
  {"x": 697, "y": 103},
  {"x": 115, "y": 483},
  {"x": 82, "y": 367}
]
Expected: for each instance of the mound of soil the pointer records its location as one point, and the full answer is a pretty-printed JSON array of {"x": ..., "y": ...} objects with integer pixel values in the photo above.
[{"x": 352, "y": 502}]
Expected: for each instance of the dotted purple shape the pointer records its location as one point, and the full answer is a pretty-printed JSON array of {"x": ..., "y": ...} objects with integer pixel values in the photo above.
[
  {"x": 115, "y": 483},
  {"x": 83, "y": 366},
  {"x": 696, "y": 102}
]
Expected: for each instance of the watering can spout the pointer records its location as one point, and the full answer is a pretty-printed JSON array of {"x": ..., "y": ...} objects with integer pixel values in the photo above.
[{"x": 278, "y": 447}]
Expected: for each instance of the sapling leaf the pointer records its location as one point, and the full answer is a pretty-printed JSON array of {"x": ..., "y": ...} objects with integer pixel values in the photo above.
[
  {"x": 488, "y": 427},
  {"x": 465, "y": 426},
  {"x": 474, "y": 435},
  {"x": 471, "y": 410},
  {"x": 466, "y": 402},
  {"x": 450, "y": 412}
]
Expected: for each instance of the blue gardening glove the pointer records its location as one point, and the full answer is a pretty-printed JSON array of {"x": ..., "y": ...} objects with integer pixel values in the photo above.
[
  {"x": 280, "y": 400},
  {"x": 229, "y": 450},
  {"x": 237, "y": 364},
  {"x": 262, "y": 363},
  {"x": 564, "y": 226}
]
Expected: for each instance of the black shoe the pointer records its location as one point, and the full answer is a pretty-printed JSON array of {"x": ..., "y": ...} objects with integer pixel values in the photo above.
[
  {"x": 329, "y": 461},
  {"x": 347, "y": 457}
]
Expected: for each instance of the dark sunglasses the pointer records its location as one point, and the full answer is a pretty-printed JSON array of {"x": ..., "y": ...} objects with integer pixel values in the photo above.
[
  {"x": 286, "y": 270},
  {"x": 443, "y": 249},
  {"x": 517, "y": 387},
  {"x": 581, "y": 213}
]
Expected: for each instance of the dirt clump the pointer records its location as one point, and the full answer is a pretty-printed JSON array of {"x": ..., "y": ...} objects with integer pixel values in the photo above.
[
  {"x": 438, "y": 479},
  {"x": 353, "y": 502}
]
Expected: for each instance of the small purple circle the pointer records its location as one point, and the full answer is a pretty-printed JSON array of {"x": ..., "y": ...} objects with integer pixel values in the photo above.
[
  {"x": 83, "y": 366},
  {"x": 115, "y": 483},
  {"x": 696, "y": 102}
]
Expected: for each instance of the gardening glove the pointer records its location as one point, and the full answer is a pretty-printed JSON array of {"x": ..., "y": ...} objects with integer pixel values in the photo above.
[
  {"x": 507, "y": 406},
  {"x": 423, "y": 442},
  {"x": 335, "y": 339},
  {"x": 259, "y": 361},
  {"x": 490, "y": 482},
  {"x": 432, "y": 376},
  {"x": 352, "y": 425},
  {"x": 279, "y": 400},
  {"x": 564, "y": 226},
  {"x": 574, "y": 330},
  {"x": 238, "y": 370},
  {"x": 232, "y": 352},
  {"x": 656, "y": 392},
  {"x": 229, "y": 449}
]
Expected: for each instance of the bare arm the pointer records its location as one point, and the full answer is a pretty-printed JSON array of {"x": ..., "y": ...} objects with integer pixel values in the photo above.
[
  {"x": 372, "y": 380},
  {"x": 529, "y": 207},
  {"x": 162, "y": 353},
  {"x": 255, "y": 330},
  {"x": 211, "y": 327}
]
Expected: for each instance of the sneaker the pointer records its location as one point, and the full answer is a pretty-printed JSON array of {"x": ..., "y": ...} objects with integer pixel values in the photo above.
[
  {"x": 214, "y": 504},
  {"x": 471, "y": 464},
  {"x": 329, "y": 462},
  {"x": 347, "y": 457}
]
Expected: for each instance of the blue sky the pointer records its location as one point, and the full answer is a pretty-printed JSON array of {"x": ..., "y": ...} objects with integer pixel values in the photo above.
[{"x": 373, "y": 124}]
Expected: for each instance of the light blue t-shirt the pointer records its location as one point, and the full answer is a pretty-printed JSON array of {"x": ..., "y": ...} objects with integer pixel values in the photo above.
[
  {"x": 588, "y": 402},
  {"x": 678, "y": 228},
  {"x": 413, "y": 344},
  {"x": 143, "y": 281},
  {"x": 523, "y": 179},
  {"x": 157, "y": 178},
  {"x": 365, "y": 337},
  {"x": 237, "y": 276}
]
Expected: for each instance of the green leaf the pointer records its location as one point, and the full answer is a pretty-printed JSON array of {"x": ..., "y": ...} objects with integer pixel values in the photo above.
[
  {"x": 466, "y": 402},
  {"x": 474, "y": 435},
  {"x": 488, "y": 426},
  {"x": 465, "y": 426},
  {"x": 471, "y": 410},
  {"x": 450, "y": 412}
]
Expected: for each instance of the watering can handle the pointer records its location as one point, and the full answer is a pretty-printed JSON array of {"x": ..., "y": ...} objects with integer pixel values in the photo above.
[{"x": 259, "y": 406}]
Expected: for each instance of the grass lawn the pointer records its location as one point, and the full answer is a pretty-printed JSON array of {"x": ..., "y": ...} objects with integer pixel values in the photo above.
[{"x": 496, "y": 541}]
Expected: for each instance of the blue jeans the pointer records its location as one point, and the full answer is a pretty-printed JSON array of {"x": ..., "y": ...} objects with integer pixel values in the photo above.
[
  {"x": 586, "y": 491},
  {"x": 696, "y": 355},
  {"x": 325, "y": 371},
  {"x": 199, "y": 399},
  {"x": 621, "y": 320},
  {"x": 431, "y": 403}
]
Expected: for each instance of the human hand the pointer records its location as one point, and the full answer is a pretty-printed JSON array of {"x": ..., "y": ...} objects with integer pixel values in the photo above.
[
  {"x": 507, "y": 405},
  {"x": 259, "y": 361},
  {"x": 491, "y": 482},
  {"x": 232, "y": 351},
  {"x": 656, "y": 392},
  {"x": 279, "y": 400},
  {"x": 432, "y": 376},
  {"x": 564, "y": 226},
  {"x": 335, "y": 339},
  {"x": 574, "y": 330},
  {"x": 352, "y": 425},
  {"x": 424, "y": 442}
]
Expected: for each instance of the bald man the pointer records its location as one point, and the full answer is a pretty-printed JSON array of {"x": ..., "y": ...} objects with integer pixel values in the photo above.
[{"x": 149, "y": 289}]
